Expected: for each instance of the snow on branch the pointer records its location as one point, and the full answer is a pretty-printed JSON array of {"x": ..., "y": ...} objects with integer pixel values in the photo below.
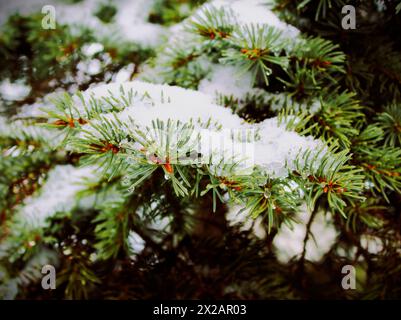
[{"x": 275, "y": 148}]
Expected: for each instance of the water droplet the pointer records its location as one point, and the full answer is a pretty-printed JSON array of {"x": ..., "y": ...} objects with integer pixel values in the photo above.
[
  {"x": 167, "y": 176},
  {"x": 125, "y": 181}
]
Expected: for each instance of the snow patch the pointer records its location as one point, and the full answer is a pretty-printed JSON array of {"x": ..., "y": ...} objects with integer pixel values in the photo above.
[
  {"x": 228, "y": 81},
  {"x": 14, "y": 90},
  {"x": 136, "y": 243},
  {"x": 57, "y": 194},
  {"x": 289, "y": 242}
]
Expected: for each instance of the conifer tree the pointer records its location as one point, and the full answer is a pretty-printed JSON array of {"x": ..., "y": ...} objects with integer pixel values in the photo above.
[{"x": 201, "y": 149}]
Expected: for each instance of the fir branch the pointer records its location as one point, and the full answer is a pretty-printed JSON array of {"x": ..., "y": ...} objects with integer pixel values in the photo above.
[
  {"x": 390, "y": 122},
  {"x": 256, "y": 48},
  {"x": 332, "y": 177},
  {"x": 212, "y": 23}
]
